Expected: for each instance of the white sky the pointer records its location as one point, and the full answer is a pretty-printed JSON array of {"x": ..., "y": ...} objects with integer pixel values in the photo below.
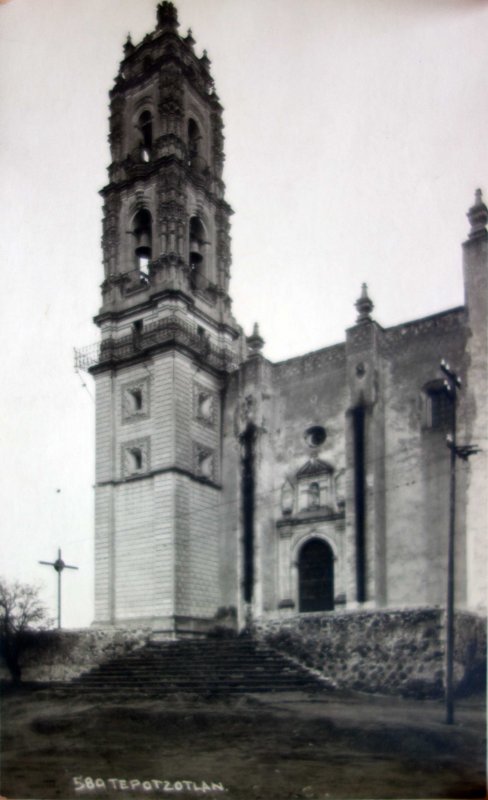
[{"x": 356, "y": 134}]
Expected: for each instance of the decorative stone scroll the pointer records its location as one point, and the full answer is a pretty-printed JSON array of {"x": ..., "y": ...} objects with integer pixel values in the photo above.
[
  {"x": 204, "y": 463},
  {"x": 204, "y": 406}
]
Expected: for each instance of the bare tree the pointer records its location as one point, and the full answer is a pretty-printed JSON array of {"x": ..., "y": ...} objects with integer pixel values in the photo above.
[{"x": 22, "y": 615}]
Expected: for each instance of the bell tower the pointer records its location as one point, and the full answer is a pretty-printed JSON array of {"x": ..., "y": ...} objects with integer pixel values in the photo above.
[
  {"x": 168, "y": 340},
  {"x": 166, "y": 222}
]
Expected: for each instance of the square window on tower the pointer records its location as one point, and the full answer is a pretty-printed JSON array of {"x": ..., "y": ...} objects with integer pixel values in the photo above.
[
  {"x": 135, "y": 400},
  {"x": 135, "y": 457}
]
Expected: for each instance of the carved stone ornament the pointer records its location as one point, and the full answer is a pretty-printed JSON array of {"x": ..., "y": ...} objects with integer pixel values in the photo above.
[
  {"x": 478, "y": 216},
  {"x": 364, "y": 305},
  {"x": 340, "y": 480},
  {"x": 255, "y": 342},
  {"x": 204, "y": 406},
  {"x": 204, "y": 461},
  {"x": 128, "y": 46},
  {"x": 315, "y": 466},
  {"x": 167, "y": 15},
  {"x": 287, "y": 498}
]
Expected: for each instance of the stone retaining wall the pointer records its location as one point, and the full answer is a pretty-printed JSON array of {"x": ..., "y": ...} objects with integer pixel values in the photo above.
[
  {"x": 69, "y": 653},
  {"x": 389, "y": 652}
]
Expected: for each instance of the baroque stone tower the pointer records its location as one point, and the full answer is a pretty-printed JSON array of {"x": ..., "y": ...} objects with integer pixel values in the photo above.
[{"x": 168, "y": 339}]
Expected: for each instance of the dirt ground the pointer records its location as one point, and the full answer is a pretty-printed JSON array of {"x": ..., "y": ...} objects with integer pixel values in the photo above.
[{"x": 268, "y": 747}]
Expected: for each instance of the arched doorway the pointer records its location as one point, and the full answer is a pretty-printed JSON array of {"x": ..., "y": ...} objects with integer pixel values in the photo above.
[{"x": 316, "y": 576}]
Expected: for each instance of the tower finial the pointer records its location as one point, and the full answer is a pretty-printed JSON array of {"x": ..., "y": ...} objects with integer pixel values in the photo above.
[
  {"x": 128, "y": 46},
  {"x": 189, "y": 38},
  {"x": 364, "y": 305},
  {"x": 478, "y": 216},
  {"x": 167, "y": 15},
  {"x": 255, "y": 341},
  {"x": 204, "y": 60}
]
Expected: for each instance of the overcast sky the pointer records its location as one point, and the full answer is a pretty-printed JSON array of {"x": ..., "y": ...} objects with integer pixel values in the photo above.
[{"x": 356, "y": 135}]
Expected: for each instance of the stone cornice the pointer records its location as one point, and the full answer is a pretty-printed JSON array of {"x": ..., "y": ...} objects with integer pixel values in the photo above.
[
  {"x": 333, "y": 357},
  {"x": 308, "y": 517},
  {"x": 168, "y": 333},
  {"x": 151, "y": 302},
  {"x": 155, "y": 168},
  {"x": 162, "y": 471},
  {"x": 440, "y": 323}
]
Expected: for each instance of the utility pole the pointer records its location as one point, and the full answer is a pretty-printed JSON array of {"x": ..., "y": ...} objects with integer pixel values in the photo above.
[
  {"x": 452, "y": 384},
  {"x": 58, "y": 565}
]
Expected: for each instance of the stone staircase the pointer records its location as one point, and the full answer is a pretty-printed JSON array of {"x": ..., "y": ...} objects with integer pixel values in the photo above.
[{"x": 206, "y": 667}]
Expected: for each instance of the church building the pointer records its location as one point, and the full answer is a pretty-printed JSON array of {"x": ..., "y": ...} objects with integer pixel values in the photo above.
[{"x": 228, "y": 486}]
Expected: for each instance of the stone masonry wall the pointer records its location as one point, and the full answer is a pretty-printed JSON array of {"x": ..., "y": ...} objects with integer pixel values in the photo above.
[
  {"x": 389, "y": 652},
  {"x": 75, "y": 652},
  {"x": 386, "y": 652}
]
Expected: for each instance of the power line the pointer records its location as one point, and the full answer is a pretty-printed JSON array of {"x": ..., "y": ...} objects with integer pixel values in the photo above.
[{"x": 84, "y": 384}]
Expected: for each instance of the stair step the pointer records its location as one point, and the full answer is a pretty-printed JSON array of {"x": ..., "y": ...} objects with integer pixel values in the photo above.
[{"x": 202, "y": 666}]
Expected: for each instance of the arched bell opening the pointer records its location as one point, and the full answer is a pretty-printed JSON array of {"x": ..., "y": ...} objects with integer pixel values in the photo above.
[
  {"x": 197, "y": 245},
  {"x": 145, "y": 125},
  {"x": 196, "y": 161},
  {"x": 315, "y": 576},
  {"x": 142, "y": 231},
  {"x": 194, "y": 138}
]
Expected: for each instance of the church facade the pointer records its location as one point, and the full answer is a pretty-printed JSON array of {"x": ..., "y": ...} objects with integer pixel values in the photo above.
[{"x": 230, "y": 486}]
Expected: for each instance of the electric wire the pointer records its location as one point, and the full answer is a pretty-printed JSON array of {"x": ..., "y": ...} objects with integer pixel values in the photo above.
[{"x": 84, "y": 384}]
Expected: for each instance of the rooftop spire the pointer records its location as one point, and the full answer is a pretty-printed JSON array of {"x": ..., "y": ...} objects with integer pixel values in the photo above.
[
  {"x": 128, "y": 46},
  {"x": 189, "y": 38},
  {"x": 255, "y": 341},
  {"x": 167, "y": 15},
  {"x": 478, "y": 216},
  {"x": 364, "y": 305},
  {"x": 205, "y": 60}
]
